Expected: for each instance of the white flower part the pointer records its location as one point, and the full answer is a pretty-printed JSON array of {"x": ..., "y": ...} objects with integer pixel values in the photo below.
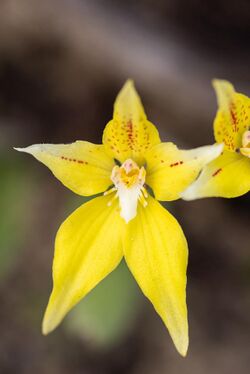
[
  {"x": 246, "y": 139},
  {"x": 245, "y": 150},
  {"x": 129, "y": 180}
]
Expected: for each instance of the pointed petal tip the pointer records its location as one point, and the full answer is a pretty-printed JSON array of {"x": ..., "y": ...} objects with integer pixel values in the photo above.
[
  {"x": 190, "y": 193},
  {"x": 180, "y": 338},
  {"x": 47, "y": 326},
  {"x": 129, "y": 82},
  {"x": 19, "y": 149},
  {"x": 30, "y": 149},
  {"x": 211, "y": 152},
  {"x": 223, "y": 90},
  {"x": 182, "y": 346},
  {"x": 45, "y": 330},
  {"x": 216, "y": 82},
  {"x": 183, "y": 352},
  {"x": 128, "y": 86},
  {"x": 214, "y": 151},
  {"x": 49, "y": 322},
  {"x": 219, "y": 148}
]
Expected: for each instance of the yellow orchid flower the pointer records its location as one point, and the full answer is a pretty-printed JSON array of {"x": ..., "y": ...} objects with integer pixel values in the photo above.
[
  {"x": 125, "y": 220},
  {"x": 228, "y": 175}
]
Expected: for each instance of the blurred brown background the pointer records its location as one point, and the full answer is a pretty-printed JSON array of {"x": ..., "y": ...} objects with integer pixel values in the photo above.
[{"x": 62, "y": 62}]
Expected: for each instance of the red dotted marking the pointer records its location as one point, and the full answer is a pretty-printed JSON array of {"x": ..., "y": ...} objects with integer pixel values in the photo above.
[
  {"x": 176, "y": 163},
  {"x": 130, "y": 134},
  {"x": 74, "y": 160},
  {"x": 216, "y": 172}
]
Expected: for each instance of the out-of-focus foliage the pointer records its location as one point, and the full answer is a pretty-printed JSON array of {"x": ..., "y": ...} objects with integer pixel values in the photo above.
[
  {"x": 109, "y": 311},
  {"x": 15, "y": 187}
]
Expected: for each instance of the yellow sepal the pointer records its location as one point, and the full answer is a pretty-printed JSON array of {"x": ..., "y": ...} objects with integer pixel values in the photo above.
[
  {"x": 87, "y": 248},
  {"x": 129, "y": 134},
  {"x": 171, "y": 170},
  {"x": 233, "y": 115},
  {"x": 156, "y": 252},
  {"x": 83, "y": 167},
  {"x": 227, "y": 176}
]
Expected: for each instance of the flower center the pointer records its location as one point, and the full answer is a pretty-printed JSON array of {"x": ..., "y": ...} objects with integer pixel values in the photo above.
[
  {"x": 245, "y": 150},
  {"x": 128, "y": 182}
]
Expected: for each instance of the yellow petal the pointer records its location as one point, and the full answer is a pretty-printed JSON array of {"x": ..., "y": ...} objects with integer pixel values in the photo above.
[
  {"x": 227, "y": 176},
  {"x": 170, "y": 170},
  {"x": 233, "y": 116},
  {"x": 87, "y": 248},
  {"x": 156, "y": 252},
  {"x": 129, "y": 134},
  {"x": 83, "y": 167}
]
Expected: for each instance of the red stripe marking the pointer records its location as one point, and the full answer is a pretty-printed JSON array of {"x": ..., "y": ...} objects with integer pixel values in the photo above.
[
  {"x": 234, "y": 119},
  {"x": 233, "y": 116},
  {"x": 216, "y": 172}
]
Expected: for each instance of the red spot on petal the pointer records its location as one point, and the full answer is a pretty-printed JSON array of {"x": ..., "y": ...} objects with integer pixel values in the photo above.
[
  {"x": 74, "y": 160},
  {"x": 176, "y": 163}
]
